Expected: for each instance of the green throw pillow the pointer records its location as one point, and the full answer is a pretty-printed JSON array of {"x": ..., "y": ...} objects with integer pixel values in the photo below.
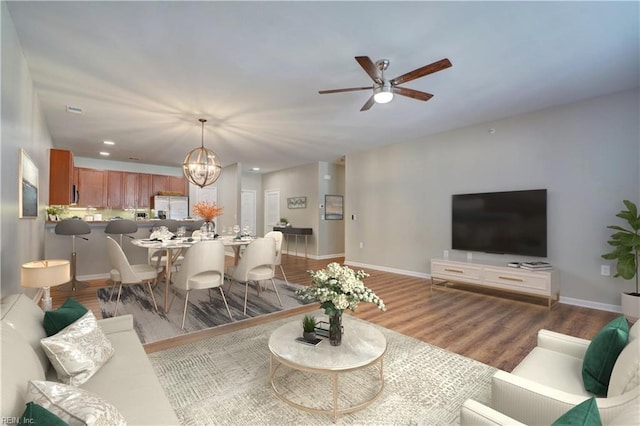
[
  {"x": 602, "y": 354},
  {"x": 586, "y": 413},
  {"x": 36, "y": 415},
  {"x": 70, "y": 311}
]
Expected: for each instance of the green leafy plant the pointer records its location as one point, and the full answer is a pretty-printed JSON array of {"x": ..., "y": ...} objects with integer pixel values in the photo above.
[
  {"x": 283, "y": 220},
  {"x": 626, "y": 244},
  {"x": 54, "y": 210},
  {"x": 309, "y": 324}
]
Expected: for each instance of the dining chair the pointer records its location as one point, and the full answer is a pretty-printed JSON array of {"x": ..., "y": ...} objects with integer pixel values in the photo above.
[
  {"x": 119, "y": 227},
  {"x": 255, "y": 265},
  {"x": 202, "y": 268},
  {"x": 130, "y": 274},
  {"x": 277, "y": 235}
]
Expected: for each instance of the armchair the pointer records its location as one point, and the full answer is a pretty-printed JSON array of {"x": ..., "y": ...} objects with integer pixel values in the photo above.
[{"x": 548, "y": 383}]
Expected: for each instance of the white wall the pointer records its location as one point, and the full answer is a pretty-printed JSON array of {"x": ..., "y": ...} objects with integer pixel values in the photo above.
[
  {"x": 23, "y": 126},
  {"x": 585, "y": 154}
]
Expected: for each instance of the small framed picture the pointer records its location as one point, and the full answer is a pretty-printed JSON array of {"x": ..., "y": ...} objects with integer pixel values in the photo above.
[
  {"x": 333, "y": 207},
  {"x": 297, "y": 203}
]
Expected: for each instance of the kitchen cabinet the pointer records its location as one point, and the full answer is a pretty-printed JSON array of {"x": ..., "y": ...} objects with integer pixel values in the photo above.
[
  {"x": 91, "y": 187},
  {"x": 144, "y": 190},
  {"x": 178, "y": 185},
  {"x": 159, "y": 183},
  {"x": 130, "y": 189},
  {"x": 60, "y": 177},
  {"x": 114, "y": 190}
]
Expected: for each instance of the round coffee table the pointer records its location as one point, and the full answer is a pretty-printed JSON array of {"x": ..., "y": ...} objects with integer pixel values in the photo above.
[{"x": 362, "y": 346}]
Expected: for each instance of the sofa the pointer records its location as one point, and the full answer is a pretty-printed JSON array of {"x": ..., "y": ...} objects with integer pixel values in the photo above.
[
  {"x": 549, "y": 382},
  {"x": 127, "y": 380}
]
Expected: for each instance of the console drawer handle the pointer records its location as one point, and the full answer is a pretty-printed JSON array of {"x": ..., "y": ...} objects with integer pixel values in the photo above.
[
  {"x": 511, "y": 279},
  {"x": 454, "y": 270}
]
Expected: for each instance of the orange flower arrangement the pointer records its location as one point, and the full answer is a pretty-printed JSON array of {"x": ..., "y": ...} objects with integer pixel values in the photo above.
[{"x": 207, "y": 211}]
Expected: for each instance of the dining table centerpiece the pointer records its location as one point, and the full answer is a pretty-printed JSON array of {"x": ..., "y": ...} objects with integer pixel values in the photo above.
[
  {"x": 337, "y": 288},
  {"x": 207, "y": 212}
]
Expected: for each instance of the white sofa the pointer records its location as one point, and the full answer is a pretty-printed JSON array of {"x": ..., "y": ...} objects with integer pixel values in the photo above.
[
  {"x": 548, "y": 383},
  {"x": 126, "y": 380}
]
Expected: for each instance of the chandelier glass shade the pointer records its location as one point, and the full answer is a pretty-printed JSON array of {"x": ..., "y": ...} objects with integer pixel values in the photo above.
[{"x": 201, "y": 166}]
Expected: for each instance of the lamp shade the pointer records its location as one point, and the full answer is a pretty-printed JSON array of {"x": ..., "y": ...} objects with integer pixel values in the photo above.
[{"x": 45, "y": 273}]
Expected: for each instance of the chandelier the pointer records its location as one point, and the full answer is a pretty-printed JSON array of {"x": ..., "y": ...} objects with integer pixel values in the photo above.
[{"x": 201, "y": 166}]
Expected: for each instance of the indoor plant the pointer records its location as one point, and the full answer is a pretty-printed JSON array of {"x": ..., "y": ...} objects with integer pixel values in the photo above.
[
  {"x": 338, "y": 288},
  {"x": 309, "y": 327},
  {"x": 53, "y": 212},
  {"x": 626, "y": 243},
  {"x": 207, "y": 212}
]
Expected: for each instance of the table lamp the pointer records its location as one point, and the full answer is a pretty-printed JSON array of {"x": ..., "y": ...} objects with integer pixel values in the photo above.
[{"x": 45, "y": 274}]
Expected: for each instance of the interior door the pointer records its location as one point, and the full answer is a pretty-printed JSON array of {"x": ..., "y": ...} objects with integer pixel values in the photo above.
[
  {"x": 271, "y": 209},
  {"x": 248, "y": 210}
]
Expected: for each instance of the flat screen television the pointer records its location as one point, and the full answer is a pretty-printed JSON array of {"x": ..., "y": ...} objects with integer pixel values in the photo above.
[{"x": 512, "y": 222}]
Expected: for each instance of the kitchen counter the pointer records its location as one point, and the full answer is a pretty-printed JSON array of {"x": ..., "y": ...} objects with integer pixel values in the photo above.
[{"x": 92, "y": 259}]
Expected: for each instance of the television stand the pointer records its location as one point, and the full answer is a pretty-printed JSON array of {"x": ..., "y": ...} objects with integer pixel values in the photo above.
[{"x": 545, "y": 284}]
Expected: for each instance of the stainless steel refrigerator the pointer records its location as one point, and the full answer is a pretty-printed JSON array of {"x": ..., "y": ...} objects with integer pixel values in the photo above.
[{"x": 174, "y": 207}]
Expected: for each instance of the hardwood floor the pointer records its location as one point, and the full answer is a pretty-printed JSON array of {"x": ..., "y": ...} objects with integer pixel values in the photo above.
[{"x": 498, "y": 330}]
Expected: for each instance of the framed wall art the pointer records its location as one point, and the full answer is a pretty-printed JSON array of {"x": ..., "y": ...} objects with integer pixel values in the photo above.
[
  {"x": 297, "y": 203},
  {"x": 333, "y": 207},
  {"x": 28, "y": 187}
]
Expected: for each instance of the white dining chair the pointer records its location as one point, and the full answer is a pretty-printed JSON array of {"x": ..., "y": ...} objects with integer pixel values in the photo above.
[
  {"x": 255, "y": 265},
  {"x": 202, "y": 268},
  {"x": 277, "y": 235},
  {"x": 130, "y": 274}
]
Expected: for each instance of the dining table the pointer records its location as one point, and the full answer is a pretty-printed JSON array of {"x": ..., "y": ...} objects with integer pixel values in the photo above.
[{"x": 174, "y": 247}]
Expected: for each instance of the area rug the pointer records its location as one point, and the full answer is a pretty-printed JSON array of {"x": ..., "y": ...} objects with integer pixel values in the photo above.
[
  {"x": 203, "y": 311},
  {"x": 224, "y": 380}
]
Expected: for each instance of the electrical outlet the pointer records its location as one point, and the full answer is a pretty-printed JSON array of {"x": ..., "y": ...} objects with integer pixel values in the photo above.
[
  {"x": 361, "y": 244},
  {"x": 605, "y": 270},
  {"x": 446, "y": 254},
  {"x": 469, "y": 255}
]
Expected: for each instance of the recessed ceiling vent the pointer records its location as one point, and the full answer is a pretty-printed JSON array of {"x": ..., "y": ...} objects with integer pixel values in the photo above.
[{"x": 74, "y": 109}]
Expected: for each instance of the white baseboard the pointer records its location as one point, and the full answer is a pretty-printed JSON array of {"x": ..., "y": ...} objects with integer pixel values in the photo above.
[
  {"x": 566, "y": 300},
  {"x": 93, "y": 277},
  {"x": 312, "y": 256}
]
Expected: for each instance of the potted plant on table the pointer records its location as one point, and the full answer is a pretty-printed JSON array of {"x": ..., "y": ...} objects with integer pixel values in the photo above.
[
  {"x": 626, "y": 243},
  {"x": 53, "y": 213},
  {"x": 309, "y": 327}
]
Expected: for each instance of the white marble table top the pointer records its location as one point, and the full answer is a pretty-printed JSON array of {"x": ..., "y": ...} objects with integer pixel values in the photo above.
[{"x": 361, "y": 345}]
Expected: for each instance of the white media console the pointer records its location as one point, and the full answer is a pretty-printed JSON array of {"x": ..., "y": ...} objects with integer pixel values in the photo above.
[{"x": 544, "y": 284}]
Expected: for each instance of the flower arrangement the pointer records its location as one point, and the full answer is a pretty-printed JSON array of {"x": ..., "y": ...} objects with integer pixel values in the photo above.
[
  {"x": 207, "y": 211},
  {"x": 338, "y": 288}
]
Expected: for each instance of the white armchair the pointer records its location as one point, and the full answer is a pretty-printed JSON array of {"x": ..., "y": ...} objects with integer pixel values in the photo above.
[{"x": 548, "y": 383}]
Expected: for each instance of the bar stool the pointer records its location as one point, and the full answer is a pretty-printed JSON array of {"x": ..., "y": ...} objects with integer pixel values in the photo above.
[
  {"x": 120, "y": 227},
  {"x": 73, "y": 227}
]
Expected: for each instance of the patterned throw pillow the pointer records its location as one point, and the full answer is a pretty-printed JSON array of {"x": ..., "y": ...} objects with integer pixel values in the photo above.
[
  {"x": 65, "y": 315},
  {"x": 78, "y": 351},
  {"x": 73, "y": 405}
]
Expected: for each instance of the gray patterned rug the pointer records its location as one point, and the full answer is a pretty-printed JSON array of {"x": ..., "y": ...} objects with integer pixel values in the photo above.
[
  {"x": 202, "y": 311},
  {"x": 223, "y": 380}
]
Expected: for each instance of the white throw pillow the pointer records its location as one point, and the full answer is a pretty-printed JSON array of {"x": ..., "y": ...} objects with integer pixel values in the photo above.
[
  {"x": 73, "y": 405},
  {"x": 79, "y": 350}
]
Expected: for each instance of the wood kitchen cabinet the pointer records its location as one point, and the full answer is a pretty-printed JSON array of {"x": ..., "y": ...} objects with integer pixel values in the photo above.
[
  {"x": 178, "y": 184},
  {"x": 91, "y": 187},
  {"x": 114, "y": 190},
  {"x": 159, "y": 183},
  {"x": 60, "y": 177},
  {"x": 144, "y": 190},
  {"x": 130, "y": 189}
]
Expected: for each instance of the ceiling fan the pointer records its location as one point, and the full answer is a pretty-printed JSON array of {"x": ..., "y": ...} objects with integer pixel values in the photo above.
[{"x": 384, "y": 89}]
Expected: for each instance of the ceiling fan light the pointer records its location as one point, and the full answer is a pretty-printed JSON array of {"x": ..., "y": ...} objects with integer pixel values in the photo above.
[
  {"x": 383, "y": 94},
  {"x": 201, "y": 166}
]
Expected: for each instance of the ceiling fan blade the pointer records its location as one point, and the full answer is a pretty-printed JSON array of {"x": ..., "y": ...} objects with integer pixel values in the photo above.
[
  {"x": 368, "y": 104},
  {"x": 415, "y": 94},
  {"x": 421, "y": 72},
  {"x": 370, "y": 68},
  {"x": 350, "y": 89}
]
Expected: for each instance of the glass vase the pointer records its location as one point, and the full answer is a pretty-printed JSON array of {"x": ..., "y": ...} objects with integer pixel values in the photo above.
[{"x": 335, "y": 329}]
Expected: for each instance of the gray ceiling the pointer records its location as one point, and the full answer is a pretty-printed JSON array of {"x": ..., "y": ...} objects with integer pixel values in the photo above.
[{"x": 144, "y": 72}]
